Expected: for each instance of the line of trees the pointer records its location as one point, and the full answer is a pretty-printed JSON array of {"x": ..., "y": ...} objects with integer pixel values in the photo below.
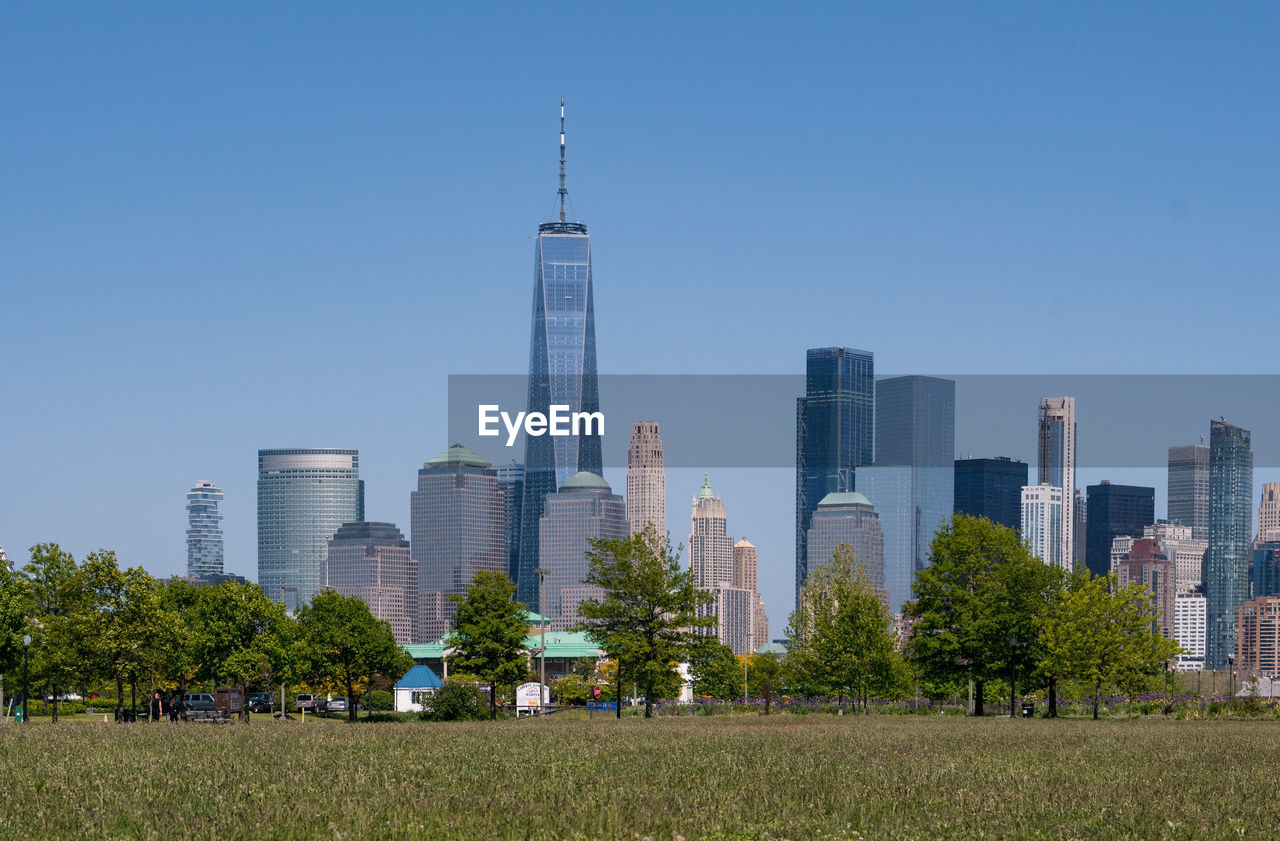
[{"x": 95, "y": 624}]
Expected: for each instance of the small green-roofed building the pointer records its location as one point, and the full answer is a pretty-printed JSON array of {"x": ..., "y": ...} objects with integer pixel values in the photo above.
[{"x": 563, "y": 648}]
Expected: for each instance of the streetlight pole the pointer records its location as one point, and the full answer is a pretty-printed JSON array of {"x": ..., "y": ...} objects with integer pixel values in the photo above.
[
  {"x": 1231, "y": 678},
  {"x": 26, "y": 690},
  {"x": 542, "y": 631}
]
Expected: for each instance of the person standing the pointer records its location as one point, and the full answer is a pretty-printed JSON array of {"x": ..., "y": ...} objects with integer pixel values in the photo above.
[{"x": 157, "y": 707}]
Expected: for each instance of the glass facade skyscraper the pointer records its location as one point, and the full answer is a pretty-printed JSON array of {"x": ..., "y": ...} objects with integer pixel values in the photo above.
[
  {"x": 304, "y": 496},
  {"x": 991, "y": 488},
  {"x": 511, "y": 483},
  {"x": 1230, "y": 532},
  {"x": 458, "y": 527},
  {"x": 1115, "y": 510},
  {"x": 371, "y": 562},
  {"x": 204, "y": 530},
  {"x": 585, "y": 507},
  {"x": 834, "y": 434},
  {"x": 1189, "y": 488},
  {"x": 912, "y": 485},
  {"x": 1056, "y": 463},
  {"x": 562, "y": 372}
]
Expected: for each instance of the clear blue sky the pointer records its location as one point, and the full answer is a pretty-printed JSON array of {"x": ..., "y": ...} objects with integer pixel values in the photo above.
[{"x": 237, "y": 226}]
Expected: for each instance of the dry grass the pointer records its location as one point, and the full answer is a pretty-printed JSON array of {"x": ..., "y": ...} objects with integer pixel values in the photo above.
[{"x": 881, "y": 777}]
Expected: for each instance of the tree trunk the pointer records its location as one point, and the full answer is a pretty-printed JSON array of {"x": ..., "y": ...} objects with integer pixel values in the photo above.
[
  {"x": 648, "y": 698},
  {"x": 119, "y": 698},
  {"x": 977, "y": 697},
  {"x": 1053, "y": 697},
  {"x": 493, "y": 701},
  {"x": 133, "y": 698},
  {"x": 244, "y": 703},
  {"x": 55, "y": 705},
  {"x": 1097, "y": 690},
  {"x": 352, "y": 702},
  {"x": 618, "y": 711}
]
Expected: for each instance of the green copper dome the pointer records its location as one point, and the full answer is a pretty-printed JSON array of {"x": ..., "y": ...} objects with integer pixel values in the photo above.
[
  {"x": 586, "y": 480},
  {"x": 844, "y": 499},
  {"x": 458, "y": 454}
]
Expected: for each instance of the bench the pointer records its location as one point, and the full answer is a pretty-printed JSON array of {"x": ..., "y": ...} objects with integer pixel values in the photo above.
[{"x": 217, "y": 716}]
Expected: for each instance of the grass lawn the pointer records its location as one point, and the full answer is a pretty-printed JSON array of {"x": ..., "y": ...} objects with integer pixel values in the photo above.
[{"x": 722, "y": 777}]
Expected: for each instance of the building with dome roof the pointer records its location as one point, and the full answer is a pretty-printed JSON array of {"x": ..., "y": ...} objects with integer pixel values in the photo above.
[
  {"x": 584, "y": 507},
  {"x": 847, "y": 518}
]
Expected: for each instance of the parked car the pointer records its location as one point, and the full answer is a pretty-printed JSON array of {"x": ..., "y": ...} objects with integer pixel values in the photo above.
[
  {"x": 338, "y": 705},
  {"x": 311, "y": 703},
  {"x": 259, "y": 702},
  {"x": 197, "y": 702}
]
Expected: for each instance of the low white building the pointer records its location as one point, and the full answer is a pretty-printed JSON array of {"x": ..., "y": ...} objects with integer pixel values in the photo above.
[{"x": 413, "y": 690}]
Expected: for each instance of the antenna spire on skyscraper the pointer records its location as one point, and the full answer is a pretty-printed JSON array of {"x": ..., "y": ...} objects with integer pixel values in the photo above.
[{"x": 563, "y": 191}]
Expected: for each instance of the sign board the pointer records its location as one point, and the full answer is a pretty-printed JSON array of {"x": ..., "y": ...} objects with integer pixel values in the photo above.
[
  {"x": 527, "y": 695},
  {"x": 595, "y": 692}
]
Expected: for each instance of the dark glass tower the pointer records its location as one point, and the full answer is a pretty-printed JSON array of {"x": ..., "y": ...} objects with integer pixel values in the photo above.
[
  {"x": 562, "y": 371},
  {"x": 834, "y": 433},
  {"x": 912, "y": 485},
  {"x": 991, "y": 488},
  {"x": 1189, "y": 488},
  {"x": 1114, "y": 510},
  {"x": 1230, "y": 530}
]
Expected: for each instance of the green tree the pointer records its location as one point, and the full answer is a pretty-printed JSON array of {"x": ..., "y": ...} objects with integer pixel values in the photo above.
[
  {"x": 715, "y": 670},
  {"x": 1104, "y": 635},
  {"x": 15, "y": 611},
  {"x": 489, "y": 633},
  {"x": 241, "y": 637},
  {"x": 54, "y": 591},
  {"x": 764, "y": 668},
  {"x": 346, "y": 644},
  {"x": 571, "y": 689},
  {"x": 841, "y": 635},
  {"x": 116, "y": 621},
  {"x": 976, "y": 606},
  {"x": 647, "y": 617}
]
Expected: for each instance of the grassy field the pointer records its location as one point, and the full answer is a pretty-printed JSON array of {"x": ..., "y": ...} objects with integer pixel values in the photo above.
[{"x": 784, "y": 777}]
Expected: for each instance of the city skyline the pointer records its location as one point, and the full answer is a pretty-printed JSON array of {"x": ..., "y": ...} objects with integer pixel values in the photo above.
[{"x": 253, "y": 241}]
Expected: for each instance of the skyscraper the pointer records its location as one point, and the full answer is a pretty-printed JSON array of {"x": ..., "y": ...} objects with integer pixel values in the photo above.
[
  {"x": 848, "y": 518},
  {"x": 1147, "y": 563},
  {"x": 1056, "y": 461},
  {"x": 204, "y": 530},
  {"x": 1115, "y": 510},
  {"x": 457, "y": 528},
  {"x": 746, "y": 577},
  {"x": 991, "y": 488},
  {"x": 1189, "y": 488},
  {"x": 710, "y": 547},
  {"x": 1230, "y": 521},
  {"x": 912, "y": 485},
  {"x": 562, "y": 372},
  {"x": 834, "y": 433},
  {"x": 304, "y": 495},
  {"x": 511, "y": 483},
  {"x": 1265, "y": 579},
  {"x": 371, "y": 561},
  {"x": 1186, "y": 552},
  {"x": 1269, "y": 512},
  {"x": 585, "y": 507},
  {"x": 646, "y": 480},
  {"x": 1042, "y": 523}
]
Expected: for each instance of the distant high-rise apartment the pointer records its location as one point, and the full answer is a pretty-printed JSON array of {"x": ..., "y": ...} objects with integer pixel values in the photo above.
[
  {"x": 848, "y": 518},
  {"x": 912, "y": 485},
  {"x": 1189, "y": 488},
  {"x": 991, "y": 488},
  {"x": 562, "y": 372},
  {"x": 457, "y": 527},
  {"x": 834, "y": 433},
  {"x": 1056, "y": 461},
  {"x": 1188, "y": 630},
  {"x": 1265, "y": 578},
  {"x": 1146, "y": 563},
  {"x": 1230, "y": 530},
  {"x": 204, "y": 530},
  {"x": 735, "y": 609},
  {"x": 646, "y": 479},
  {"x": 1080, "y": 528},
  {"x": 1269, "y": 512},
  {"x": 371, "y": 561},
  {"x": 304, "y": 495},
  {"x": 1257, "y": 644},
  {"x": 746, "y": 577},
  {"x": 511, "y": 483},
  {"x": 1115, "y": 510},
  {"x": 584, "y": 508},
  {"x": 1186, "y": 552},
  {"x": 710, "y": 547},
  {"x": 1042, "y": 523}
]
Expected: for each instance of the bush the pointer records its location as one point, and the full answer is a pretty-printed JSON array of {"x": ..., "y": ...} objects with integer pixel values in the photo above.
[
  {"x": 382, "y": 700},
  {"x": 457, "y": 701}
]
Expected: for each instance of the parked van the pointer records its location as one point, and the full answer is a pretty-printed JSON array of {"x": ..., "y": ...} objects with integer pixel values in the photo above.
[{"x": 197, "y": 701}]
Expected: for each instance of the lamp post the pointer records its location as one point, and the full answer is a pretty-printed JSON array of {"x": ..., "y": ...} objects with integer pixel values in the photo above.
[
  {"x": 1231, "y": 677},
  {"x": 1013, "y": 673},
  {"x": 542, "y": 631},
  {"x": 283, "y": 709},
  {"x": 26, "y": 690}
]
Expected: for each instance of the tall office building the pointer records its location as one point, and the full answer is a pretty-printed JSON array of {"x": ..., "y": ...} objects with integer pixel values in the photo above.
[
  {"x": 834, "y": 433},
  {"x": 371, "y": 561},
  {"x": 1115, "y": 510},
  {"x": 646, "y": 480},
  {"x": 1056, "y": 461},
  {"x": 1189, "y": 488},
  {"x": 1269, "y": 512},
  {"x": 710, "y": 547},
  {"x": 204, "y": 530},
  {"x": 457, "y": 527},
  {"x": 1230, "y": 521},
  {"x": 511, "y": 483},
  {"x": 562, "y": 372},
  {"x": 746, "y": 577},
  {"x": 1146, "y": 563},
  {"x": 304, "y": 495},
  {"x": 1185, "y": 551},
  {"x": 848, "y": 518},
  {"x": 584, "y": 508},
  {"x": 1265, "y": 577},
  {"x": 1042, "y": 523},
  {"x": 1257, "y": 644},
  {"x": 1188, "y": 629},
  {"x": 912, "y": 485},
  {"x": 991, "y": 488},
  {"x": 1080, "y": 528}
]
